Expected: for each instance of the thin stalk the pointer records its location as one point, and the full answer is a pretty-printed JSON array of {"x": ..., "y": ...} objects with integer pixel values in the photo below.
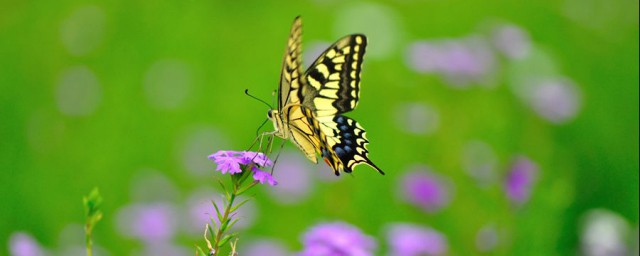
[
  {"x": 89, "y": 244},
  {"x": 225, "y": 217}
]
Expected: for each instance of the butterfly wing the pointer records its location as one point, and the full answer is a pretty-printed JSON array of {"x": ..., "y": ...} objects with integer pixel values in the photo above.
[
  {"x": 289, "y": 91},
  {"x": 334, "y": 78},
  {"x": 303, "y": 129},
  {"x": 344, "y": 144}
]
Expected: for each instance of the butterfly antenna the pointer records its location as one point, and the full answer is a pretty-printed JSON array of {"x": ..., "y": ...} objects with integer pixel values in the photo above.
[{"x": 246, "y": 91}]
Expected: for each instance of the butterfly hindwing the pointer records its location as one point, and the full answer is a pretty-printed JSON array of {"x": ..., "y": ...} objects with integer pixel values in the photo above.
[
  {"x": 346, "y": 143},
  {"x": 303, "y": 130},
  {"x": 334, "y": 78}
]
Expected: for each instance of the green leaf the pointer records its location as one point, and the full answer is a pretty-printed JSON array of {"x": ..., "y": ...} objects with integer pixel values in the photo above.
[
  {"x": 217, "y": 211},
  {"x": 224, "y": 240},
  {"x": 92, "y": 203},
  {"x": 225, "y": 225},
  {"x": 213, "y": 226},
  {"x": 226, "y": 192},
  {"x": 200, "y": 252},
  {"x": 244, "y": 189},
  {"x": 235, "y": 207},
  {"x": 233, "y": 222}
]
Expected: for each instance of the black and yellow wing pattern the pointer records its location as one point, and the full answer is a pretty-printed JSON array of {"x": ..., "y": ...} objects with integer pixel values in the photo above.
[{"x": 311, "y": 104}]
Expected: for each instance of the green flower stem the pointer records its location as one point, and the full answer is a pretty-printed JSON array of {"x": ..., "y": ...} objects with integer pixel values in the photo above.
[
  {"x": 225, "y": 217},
  {"x": 225, "y": 221}
]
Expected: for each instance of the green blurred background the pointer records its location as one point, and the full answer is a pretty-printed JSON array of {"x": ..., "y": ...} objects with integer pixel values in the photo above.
[{"x": 132, "y": 96}]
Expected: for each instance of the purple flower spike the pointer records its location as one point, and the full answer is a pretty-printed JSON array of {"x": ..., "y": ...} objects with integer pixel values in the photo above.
[
  {"x": 426, "y": 190},
  {"x": 262, "y": 177},
  {"x": 411, "y": 240},
  {"x": 520, "y": 179},
  {"x": 337, "y": 239}
]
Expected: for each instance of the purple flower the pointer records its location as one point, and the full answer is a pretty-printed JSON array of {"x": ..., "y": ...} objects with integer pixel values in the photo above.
[
  {"x": 411, "y": 240},
  {"x": 426, "y": 190},
  {"x": 23, "y": 244},
  {"x": 520, "y": 179},
  {"x": 230, "y": 161},
  {"x": 256, "y": 157},
  {"x": 262, "y": 177},
  {"x": 337, "y": 239}
]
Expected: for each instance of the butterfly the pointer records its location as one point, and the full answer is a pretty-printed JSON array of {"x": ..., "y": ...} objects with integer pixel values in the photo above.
[{"x": 311, "y": 103}]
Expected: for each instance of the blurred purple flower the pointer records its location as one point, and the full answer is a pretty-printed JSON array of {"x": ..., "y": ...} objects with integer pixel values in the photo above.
[
  {"x": 426, "y": 190},
  {"x": 460, "y": 62},
  {"x": 417, "y": 118},
  {"x": 520, "y": 179},
  {"x": 264, "y": 247},
  {"x": 411, "y": 240},
  {"x": 337, "y": 239},
  {"x": 295, "y": 180},
  {"x": 512, "y": 41},
  {"x": 557, "y": 100},
  {"x": 23, "y": 244},
  {"x": 230, "y": 161},
  {"x": 155, "y": 222}
]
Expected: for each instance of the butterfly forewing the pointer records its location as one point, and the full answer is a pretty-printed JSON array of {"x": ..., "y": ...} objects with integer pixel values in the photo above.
[
  {"x": 289, "y": 91},
  {"x": 334, "y": 78}
]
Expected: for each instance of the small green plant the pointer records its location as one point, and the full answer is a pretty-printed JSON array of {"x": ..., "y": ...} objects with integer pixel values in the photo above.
[{"x": 93, "y": 214}]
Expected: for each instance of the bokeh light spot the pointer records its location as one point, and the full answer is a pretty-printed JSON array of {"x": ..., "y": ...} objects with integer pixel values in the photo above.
[
  {"x": 196, "y": 144},
  {"x": 480, "y": 162},
  {"x": 78, "y": 92},
  {"x": 294, "y": 178},
  {"x": 83, "y": 31},
  {"x": 167, "y": 84},
  {"x": 379, "y": 23},
  {"x": 604, "y": 233},
  {"x": 417, "y": 118}
]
